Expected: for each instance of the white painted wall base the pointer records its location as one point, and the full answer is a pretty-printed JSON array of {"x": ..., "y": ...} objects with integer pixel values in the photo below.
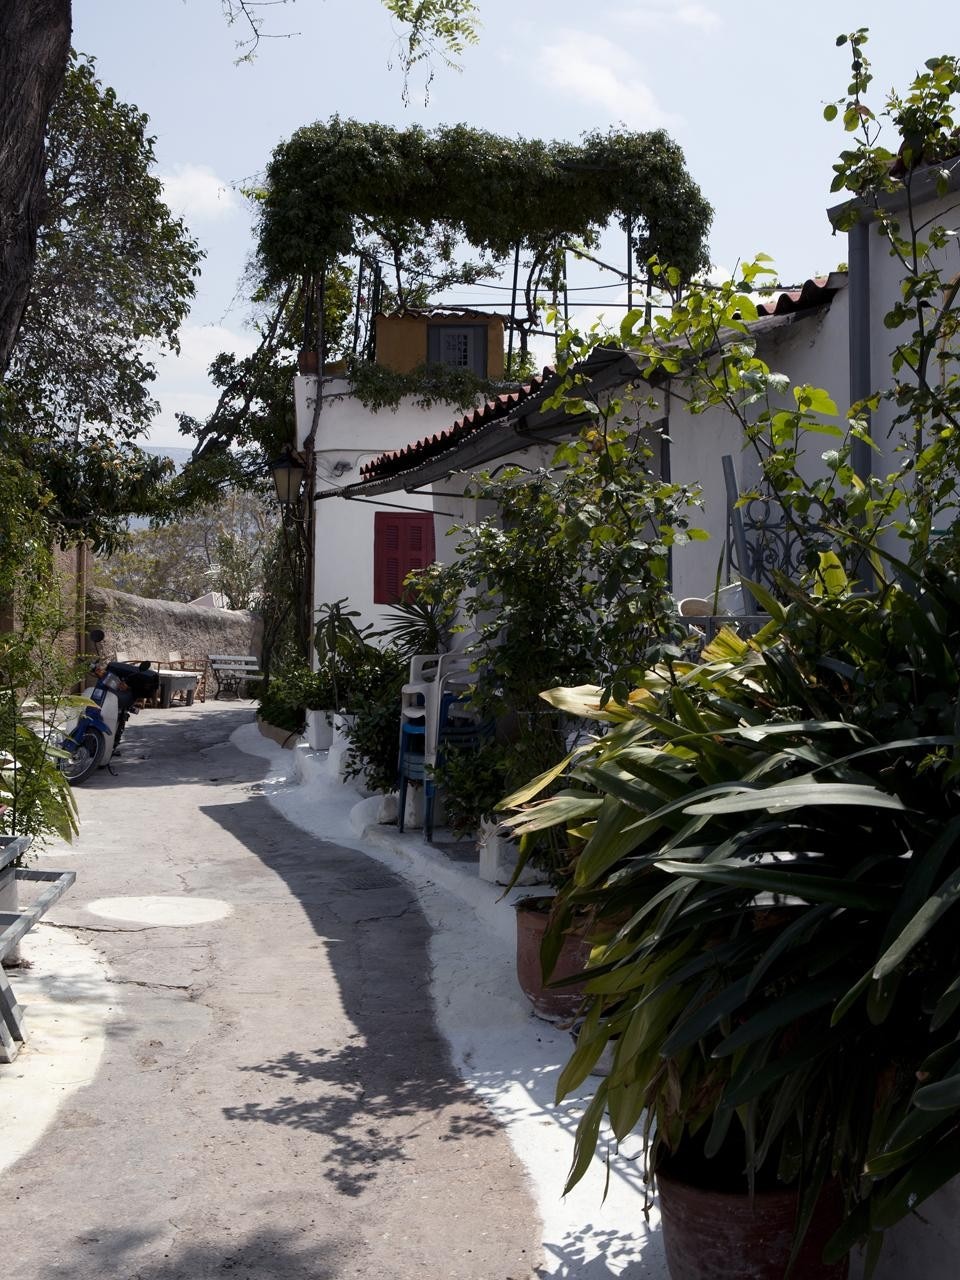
[
  {"x": 320, "y": 730},
  {"x": 498, "y": 858}
]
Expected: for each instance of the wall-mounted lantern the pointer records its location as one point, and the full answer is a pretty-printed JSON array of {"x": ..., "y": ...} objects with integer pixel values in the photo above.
[{"x": 288, "y": 473}]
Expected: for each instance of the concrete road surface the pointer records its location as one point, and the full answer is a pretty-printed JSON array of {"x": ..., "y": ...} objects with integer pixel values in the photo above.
[{"x": 274, "y": 1100}]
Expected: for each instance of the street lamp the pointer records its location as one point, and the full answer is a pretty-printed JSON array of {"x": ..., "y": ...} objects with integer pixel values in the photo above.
[{"x": 288, "y": 473}]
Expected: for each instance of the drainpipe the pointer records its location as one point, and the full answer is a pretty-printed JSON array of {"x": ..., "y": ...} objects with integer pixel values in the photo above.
[
  {"x": 861, "y": 382},
  {"x": 665, "y": 467}
]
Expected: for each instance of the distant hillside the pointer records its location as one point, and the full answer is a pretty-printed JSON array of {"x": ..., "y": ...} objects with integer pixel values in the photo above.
[{"x": 178, "y": 456}]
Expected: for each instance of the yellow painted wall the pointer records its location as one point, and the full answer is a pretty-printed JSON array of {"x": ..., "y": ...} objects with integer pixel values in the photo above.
[{"x": 402, "y": 341}]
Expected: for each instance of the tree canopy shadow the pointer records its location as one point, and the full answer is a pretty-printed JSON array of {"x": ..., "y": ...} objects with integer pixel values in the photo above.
[
  {"x": 339, "y": 1097},
  {"x": 393, "y": 1081},
  {"x": 132, "y": 1255}
]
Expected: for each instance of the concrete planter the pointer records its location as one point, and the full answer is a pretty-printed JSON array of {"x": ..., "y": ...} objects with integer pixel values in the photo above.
[
  {"x": 339, "y": 746},
  {"x": 498, "y": 858},
  {"x": 9, "y": 895},
  {"x": 283, "y": 737},
  {"x": 320, "y": 729}
]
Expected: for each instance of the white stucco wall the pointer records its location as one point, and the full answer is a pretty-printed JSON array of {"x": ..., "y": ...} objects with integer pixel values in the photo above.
[
  {"x": 812, "y": 350},
  {"x": 349, "y": 436},
  {"x": 886, "y": 273}
]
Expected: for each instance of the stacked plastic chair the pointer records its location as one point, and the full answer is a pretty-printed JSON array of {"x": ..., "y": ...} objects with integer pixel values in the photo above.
[
  {"x": 436, "y": 679},
  {"x": 432, "y": 676},
  {"x": 458, "y": 729}
]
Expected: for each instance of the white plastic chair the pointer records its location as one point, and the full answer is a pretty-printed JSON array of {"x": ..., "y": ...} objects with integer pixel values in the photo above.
[{"x": 431, "y": 676}]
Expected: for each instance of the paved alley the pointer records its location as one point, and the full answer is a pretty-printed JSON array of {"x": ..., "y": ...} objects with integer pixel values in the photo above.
[{"x": 274, "y": 1099}]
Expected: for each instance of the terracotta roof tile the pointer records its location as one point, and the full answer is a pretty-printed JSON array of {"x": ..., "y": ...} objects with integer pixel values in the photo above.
[
  {"x": 812, "y": 293},
  {"x": 411, "y": 455}
]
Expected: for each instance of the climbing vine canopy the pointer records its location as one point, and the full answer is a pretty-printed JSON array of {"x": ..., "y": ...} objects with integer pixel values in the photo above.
[{"x": 332, "y": 186}]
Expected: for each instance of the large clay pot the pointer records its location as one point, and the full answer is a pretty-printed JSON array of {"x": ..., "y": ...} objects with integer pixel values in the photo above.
[
  {"x": 718, "y": 1235},
  {"x": 553, "y": 1003}
]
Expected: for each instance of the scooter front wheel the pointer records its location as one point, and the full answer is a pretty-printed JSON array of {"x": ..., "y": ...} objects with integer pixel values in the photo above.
[{"x": 79, "y": 764}]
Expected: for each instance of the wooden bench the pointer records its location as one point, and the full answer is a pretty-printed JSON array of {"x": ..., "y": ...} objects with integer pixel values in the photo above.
[
  {"x": 15, "y": 924},
  {"x": 231, "y": 670}
]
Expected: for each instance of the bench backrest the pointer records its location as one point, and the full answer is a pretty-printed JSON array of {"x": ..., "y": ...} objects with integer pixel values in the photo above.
[
  {"x": 234, "y": 661},
  {"x": 11, "y": 847}
]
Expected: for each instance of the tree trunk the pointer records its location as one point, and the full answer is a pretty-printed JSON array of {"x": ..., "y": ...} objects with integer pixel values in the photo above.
[{"x": 34, "y": 46}]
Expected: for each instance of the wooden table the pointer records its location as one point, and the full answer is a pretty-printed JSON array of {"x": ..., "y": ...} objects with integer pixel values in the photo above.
[{"x": 172, "y": 682}]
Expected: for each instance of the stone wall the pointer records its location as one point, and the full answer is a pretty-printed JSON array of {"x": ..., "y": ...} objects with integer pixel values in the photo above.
[
  {"x": 73, "y": 569},
  {"x": 153, "y": 629}
]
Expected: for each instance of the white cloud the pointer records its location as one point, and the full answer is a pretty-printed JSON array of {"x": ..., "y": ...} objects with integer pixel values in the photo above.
[
  {"x": 696, "y": 15},
  {"x": 194, "y": 192},
  {"x": 602, "y": 74},
  {"x": 657, "y": 14},
  {"x": 183, "y": 384}
]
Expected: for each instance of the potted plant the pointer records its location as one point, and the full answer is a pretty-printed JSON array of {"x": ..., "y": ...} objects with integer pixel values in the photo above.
[
  {"x": 773, "y": 843},
  {"x": 372, "y": 727},
  {"x": 317, "y": 693},
  {"x": 281, "y": 714},
  {"x": 340, "y": 646}
]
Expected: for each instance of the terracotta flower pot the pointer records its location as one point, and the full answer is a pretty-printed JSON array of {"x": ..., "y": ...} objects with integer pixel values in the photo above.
[
  {"x": 718, "y": 1235},
  {"x": 553, "y": 1003}
]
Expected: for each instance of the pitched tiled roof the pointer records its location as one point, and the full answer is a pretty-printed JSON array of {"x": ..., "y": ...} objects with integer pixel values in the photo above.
[
  {"x": 411, "y": 455},
  {"x": 812, "y": 293}
]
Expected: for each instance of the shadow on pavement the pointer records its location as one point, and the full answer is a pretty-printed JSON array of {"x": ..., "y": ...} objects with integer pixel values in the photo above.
[
  {"x": 170, "y": 749},
  {"x": 365, "y": 1099},
  {"x": 126, "y": 1255},
  {"x": 373, "y": 1097}
]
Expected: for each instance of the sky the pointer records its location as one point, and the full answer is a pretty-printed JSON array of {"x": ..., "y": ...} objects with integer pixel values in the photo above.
[{"x": 740, "y": 85}]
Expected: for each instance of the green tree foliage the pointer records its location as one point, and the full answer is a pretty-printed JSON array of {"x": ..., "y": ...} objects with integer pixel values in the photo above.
[
  {"x": 113, "y": 281},
  {"x": 34, "y": 673},
  {"x": 888, "y": 186},
  {"x": 433, "y": 28},
  {"x": 334, "y": 185},
  {"x": 253, "y": 420},
  {"x": 443, "y": 27},
  {"x": 342, "y": 192},
  {"x": 220, "y": 547},
  {"x": 769, "y": 837},
  {"x": 569, "y": 584}
]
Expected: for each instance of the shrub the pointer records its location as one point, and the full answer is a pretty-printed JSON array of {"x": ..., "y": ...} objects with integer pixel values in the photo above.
[{"x": 374, "y": 685}]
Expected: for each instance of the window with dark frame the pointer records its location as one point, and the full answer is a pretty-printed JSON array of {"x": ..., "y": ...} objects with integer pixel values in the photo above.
[{"x": 463, "y": 346}]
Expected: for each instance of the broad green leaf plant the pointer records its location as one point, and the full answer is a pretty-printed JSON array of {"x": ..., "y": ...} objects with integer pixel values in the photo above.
[
  {"x": 35, "y": 676},
  {"x": 768, "y": 839}
]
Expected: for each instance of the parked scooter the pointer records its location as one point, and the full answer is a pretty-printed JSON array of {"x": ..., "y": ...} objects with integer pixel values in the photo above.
[{"x": 94, "y": 739}]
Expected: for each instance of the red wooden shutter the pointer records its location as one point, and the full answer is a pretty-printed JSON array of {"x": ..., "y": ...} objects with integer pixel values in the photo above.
[{"x": 401, "y": 543}]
